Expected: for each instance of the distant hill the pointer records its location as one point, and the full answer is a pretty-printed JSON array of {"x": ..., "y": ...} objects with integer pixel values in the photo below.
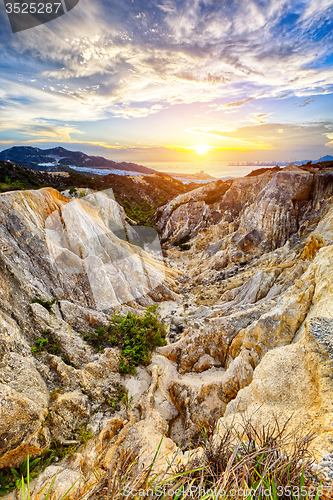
[
  {"x": 324, "y": 158},
  {"x": 59, "y": 158},
  {"x": 140, "y": 196}
]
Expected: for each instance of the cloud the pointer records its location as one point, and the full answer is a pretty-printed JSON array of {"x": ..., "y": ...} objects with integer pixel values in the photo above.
[
  {"x": 56, "y": 132},
  {"x": 236, "y": 104},
  {"x": 228, "y": 144},
  {"x": 259, "y": 117},
  {"x": 271, "y": 136},
  {"x": 132, "y": 59},
  {"x": 228, "y": 140},
  {"x": 305, "y": 102},
  {"x": 330, "y": 143}
]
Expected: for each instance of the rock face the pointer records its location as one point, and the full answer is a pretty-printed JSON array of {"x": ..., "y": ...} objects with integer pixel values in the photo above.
[
  {"x": 250, "y": 329},
  {"x": 254, "y": 216},
  {"x": 185, "y": 215},
  {"x": 55, "y": 248},
  {"x": 69, "y": 249},
  {"x": 21, "y": 422}
]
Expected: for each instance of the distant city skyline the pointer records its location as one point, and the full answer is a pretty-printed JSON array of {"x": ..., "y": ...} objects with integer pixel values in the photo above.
[{"x": 173, "y": 81}]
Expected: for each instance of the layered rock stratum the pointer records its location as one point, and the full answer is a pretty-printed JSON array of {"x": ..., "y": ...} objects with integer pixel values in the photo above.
[{"x": 249, "y": 305}]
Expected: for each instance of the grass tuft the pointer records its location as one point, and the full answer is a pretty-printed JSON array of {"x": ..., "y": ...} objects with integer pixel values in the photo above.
[
  {"x": 247, "y": 462},
  {"x": 243, "y": 462}
]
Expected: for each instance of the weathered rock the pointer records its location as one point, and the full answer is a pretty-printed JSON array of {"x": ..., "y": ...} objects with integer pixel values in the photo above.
[
  {"x": 52, "y": 247},
  {"x": 69, "y": 413},
  {"x": 254, "y": 333},
  {"x": 20, "y": 373},
  {"x": 81, "y": 318},
  {"x": 20, "y": 427}
]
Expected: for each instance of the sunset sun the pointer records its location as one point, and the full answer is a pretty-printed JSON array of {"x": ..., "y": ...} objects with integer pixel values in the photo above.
[{"x": 202, "y": 149}]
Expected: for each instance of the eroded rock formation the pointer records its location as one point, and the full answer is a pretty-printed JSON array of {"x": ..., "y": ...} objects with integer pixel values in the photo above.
[{"x": 250, "y": 327}]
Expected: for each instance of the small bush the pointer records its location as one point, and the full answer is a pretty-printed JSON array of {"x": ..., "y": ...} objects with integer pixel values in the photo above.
[
  {"x": 14, "y": 184},
  {"x": 135, "y": 335},
  {"x": 47, "y": 304},
  {"x": 182, "y": 243},
  {"x": 54, "y": 394},
  {"x": 49, "y": 345},
  {"x": 184, "y": 246},
  {"x": 115, "y": 396},
  {"x": 56, "y": 453},
  {"x": 140, "y": 211}
]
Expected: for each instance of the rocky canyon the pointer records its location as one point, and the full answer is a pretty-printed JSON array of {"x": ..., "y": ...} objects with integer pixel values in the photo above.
[{"x": 242, "y": 272}]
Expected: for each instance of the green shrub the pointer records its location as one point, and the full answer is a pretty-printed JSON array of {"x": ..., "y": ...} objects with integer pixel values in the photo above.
[
  {"x": 12, "y": 478},
  {"x": 135, "y": 335},
  {"x": 140, "y": 211},
  {"x": 56, "y": 453},
  {"x": 116, "y": 396},
  {"x": 184, "y": 246},
  {"x": 47, "y": 304},
  {"x": 49, "y": 345},
  {"x": 14, "y": 184},
  {"x": 40, "y": 345}
]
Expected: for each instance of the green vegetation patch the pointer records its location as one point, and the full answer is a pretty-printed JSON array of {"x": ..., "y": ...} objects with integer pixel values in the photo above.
[
  {"x": 182, "y": 243},
  {"x": 50, "y": 345},
  {"x": 135, "y": 335},
  {"x": 117, "y": 396},
  {"x": 139, "y": 212},
  {"x": 15, "y": 177},
  {"x": 45, "y": 303},
  {"x": 184, "y": 246},
  {"x": 12, "y": 478}
]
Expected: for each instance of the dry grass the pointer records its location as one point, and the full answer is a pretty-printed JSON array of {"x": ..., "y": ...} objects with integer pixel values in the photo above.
[{"x": 243, "y": 462}]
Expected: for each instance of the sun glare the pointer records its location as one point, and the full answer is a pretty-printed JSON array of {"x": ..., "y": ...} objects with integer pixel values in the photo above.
[{"x": 202, "y": 149}]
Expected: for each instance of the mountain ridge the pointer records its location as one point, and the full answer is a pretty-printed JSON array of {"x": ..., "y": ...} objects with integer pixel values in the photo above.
[
  {"x": 31, "y": 157},
  {"x": 139, "y": 195}
]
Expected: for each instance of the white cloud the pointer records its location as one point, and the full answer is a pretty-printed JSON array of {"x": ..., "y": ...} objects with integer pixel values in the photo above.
[{"x": 131, "y": 60}]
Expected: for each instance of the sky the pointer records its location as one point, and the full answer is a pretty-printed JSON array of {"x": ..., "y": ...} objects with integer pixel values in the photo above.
[{"x": 173, "y": 80}]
